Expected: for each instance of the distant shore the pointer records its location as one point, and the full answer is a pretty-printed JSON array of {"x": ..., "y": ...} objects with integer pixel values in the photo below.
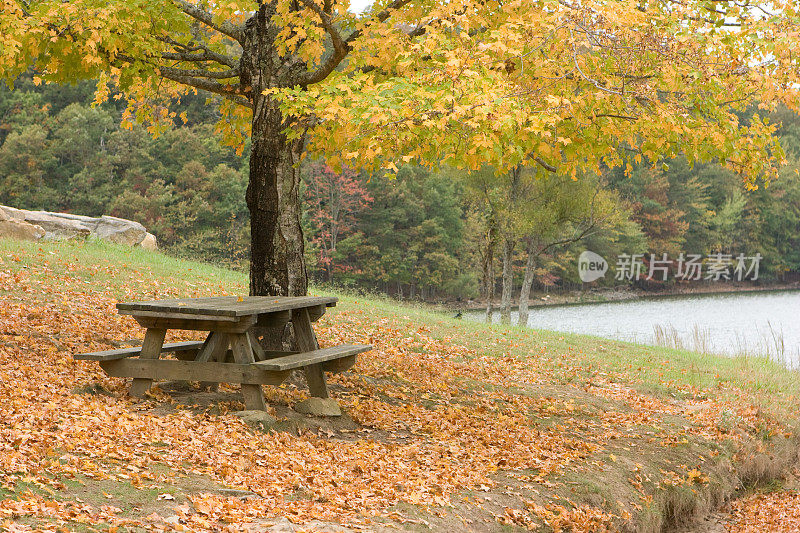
[{"x": 623, "y": 294}]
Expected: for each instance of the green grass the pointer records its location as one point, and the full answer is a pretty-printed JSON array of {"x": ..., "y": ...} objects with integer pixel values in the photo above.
[
  {"x": 108, "y": 265},
  {"x": 576, "y": 358}
]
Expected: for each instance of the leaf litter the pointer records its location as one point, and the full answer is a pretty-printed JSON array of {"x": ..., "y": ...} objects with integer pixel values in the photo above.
[{"x": 459, "y": 418}]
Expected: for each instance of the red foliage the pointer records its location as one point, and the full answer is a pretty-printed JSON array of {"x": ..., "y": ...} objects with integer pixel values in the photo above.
[{"x": 332, "y": 200}]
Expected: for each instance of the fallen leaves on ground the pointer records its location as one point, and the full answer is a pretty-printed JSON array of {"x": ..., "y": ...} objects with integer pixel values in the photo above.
[
  {"x": 777, "y": 512},
  {"x": 450, "y": 418}
]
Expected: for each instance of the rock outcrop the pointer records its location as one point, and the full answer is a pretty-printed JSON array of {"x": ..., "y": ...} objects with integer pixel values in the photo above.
[
  {"x": 34, "y": 225},
  {"x": 14, "y": 228}
]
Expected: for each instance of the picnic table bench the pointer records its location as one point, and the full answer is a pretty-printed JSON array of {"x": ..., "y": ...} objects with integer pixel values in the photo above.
[{"x": 231, "y": 352}]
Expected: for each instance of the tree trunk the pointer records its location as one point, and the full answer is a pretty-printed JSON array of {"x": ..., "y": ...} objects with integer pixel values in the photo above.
[
  {"x": 508, "y": 223},
  {"x": 277, "y": 264},
  {"x": 490, "y": 292},
  {"x": 329, "y": 269},
  {"x": 488, "y": 272},
  {"x": 527, "y": 281},
  {"x": 508, "y": 280}
]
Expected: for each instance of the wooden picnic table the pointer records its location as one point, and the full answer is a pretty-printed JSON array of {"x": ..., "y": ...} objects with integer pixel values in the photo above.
[{"x": 231, "y": 352}]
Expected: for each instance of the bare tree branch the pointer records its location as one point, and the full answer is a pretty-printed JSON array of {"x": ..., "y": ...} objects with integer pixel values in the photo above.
[
  {"x": 206, "y": 73},
  {"x": 24, "y": 7},
  {"x": 585, "y": 228},
  {"x": 611, "y": 115},
  {"x": 193, "y": 78},
  {"x": 229, "y": 91},
  {"x": 188, "y": 52},
  {"x": 196, "y": 58},
  {"x": 230, "y": 29},
  {"x": 379, "y": 17}
]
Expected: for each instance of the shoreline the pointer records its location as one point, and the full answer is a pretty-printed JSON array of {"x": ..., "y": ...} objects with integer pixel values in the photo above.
[{"x": 626, "y": 294}]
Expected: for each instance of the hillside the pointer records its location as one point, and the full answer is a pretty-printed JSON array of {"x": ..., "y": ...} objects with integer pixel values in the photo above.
[
  {"x": 423, "y": 234},
  {"x": 449, "y": 426}
]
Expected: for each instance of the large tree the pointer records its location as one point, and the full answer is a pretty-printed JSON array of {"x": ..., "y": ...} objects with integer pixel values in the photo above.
[{"x": 561, "y": 83}]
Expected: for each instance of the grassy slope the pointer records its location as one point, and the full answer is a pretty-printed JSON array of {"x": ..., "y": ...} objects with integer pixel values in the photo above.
[{"x": 541, "y": 427}]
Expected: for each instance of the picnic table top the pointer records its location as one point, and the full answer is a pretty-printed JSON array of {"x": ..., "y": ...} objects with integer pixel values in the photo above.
[{"x": 230, "y": 306}]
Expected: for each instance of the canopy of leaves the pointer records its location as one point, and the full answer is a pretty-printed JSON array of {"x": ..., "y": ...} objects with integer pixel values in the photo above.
[
  {"x": 562, "y": 83},
  {"x": 463, "y": 83}
]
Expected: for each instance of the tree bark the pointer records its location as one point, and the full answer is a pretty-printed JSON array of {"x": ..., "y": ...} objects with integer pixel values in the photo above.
[
  {"x": 277, "y": 264},
  {"x": 508, "y": 280},
  {"x": 509, "y": 242},
  {"x": 490, "y": 292},
  {"x": 527, "y": 281}
]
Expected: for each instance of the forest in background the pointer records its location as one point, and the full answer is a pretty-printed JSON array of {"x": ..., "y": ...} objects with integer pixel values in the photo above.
[{"x": 427, "y": 234}]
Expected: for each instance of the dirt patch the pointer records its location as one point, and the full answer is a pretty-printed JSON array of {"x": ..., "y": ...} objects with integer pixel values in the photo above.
[
  {"x": 713, "y": 523},
  {"x": 138, "y": 502}
]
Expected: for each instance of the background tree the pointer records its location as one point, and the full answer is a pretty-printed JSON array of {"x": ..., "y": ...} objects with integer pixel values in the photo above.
[
  {"x": 333, "y": 200},
  {"x": 561, "y": 211},
  {"x": 413, "y": 233},
  {"x": 463, "y": 83},
  {"x": 486, "y": 196},
  {"x": 540, "y": 210},
  {"x": 516, "y": 196}
]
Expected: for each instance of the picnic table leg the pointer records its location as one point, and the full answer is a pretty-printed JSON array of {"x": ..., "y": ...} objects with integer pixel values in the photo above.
[
  {"x": 243, "y": 354},
  {"x": 214, "y": 349},
  {"x": 306, "y": 341},
  {"x": 151, "y": 349},
  {"x": 258, "y": 351}
]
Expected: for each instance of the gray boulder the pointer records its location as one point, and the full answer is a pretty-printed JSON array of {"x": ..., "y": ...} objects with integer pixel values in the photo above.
[
  {"x": 59, "y": 226},
  {"x": 10, "y": 212},
  {"x": 119, "y": 230},
  {"x": 149, "y": 242}
]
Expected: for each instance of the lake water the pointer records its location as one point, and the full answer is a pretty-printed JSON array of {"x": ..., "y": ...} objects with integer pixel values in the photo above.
[{"x": 763, "y": 323}]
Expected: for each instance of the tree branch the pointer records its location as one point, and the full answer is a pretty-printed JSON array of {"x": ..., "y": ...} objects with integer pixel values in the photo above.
[
  {"x": 589, "y": 225},
  {"x": 233, "y": 31},
  {"x": 547, "y": 166},
  {"x": 229, "y": 91},
  {"x": 612, "y": 115},
  {"x": 205, "y": 73},
  {"x": 340, "y": 48},
  {"x": 379, "y": 17},
  {"x": 240, "y": 100},
  {"x": 24, "y": 7},
  {"x": 194, "y": 58},
  {"x": 185, "y": 52}
]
